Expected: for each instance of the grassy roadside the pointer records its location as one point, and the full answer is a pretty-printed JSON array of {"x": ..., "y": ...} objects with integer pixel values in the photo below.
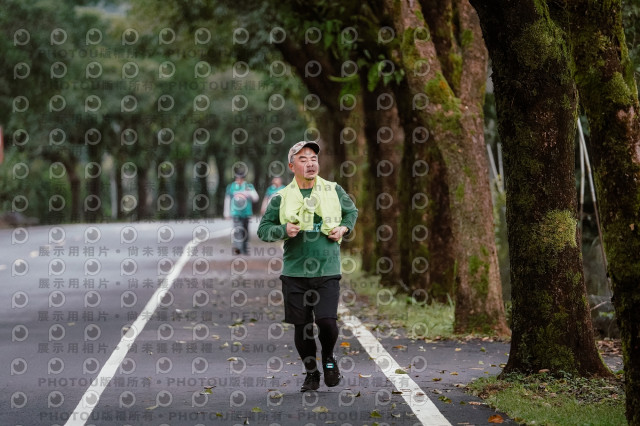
[
  {"x": 387, "y": 309},
  {"x": 544, "y": 400},
  {"x": 535, "y": 400}
]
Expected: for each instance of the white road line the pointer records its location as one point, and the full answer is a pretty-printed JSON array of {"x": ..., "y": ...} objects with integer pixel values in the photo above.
[
  {"x": 424, "y": 409},
  {"x": 92, "y": 396}
]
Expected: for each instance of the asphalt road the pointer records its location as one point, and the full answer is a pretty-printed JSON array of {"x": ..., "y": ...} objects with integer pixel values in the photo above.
[{"x": 131, "y": 324}]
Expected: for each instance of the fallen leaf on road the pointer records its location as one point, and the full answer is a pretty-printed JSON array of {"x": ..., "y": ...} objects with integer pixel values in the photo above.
[
  {"x": 345, "y": 344},
  {"x": 364, "y": 376},
  {"x": 320, "y": 409},
  {"x": 400, "y": 371},
  {"x": 375, "y": 413},
  {"x": 458, "y": 349},
  {"x": 401, "y": 347},
  {"x": 256, "y": 410},
  {"x": 436, "y": 379},
  {"x": 454, "y": 373},
  {"x": 445, "y": 399},
  {"x": 496, "y": 418}
]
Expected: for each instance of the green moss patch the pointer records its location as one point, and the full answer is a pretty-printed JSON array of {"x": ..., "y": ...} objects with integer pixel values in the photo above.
[
  {"x": 554, "y": 232},
  {"x": 539, "y": 46}
]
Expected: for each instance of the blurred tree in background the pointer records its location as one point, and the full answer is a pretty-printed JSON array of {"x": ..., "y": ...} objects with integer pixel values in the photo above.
[{"x": 118, "y": 120}]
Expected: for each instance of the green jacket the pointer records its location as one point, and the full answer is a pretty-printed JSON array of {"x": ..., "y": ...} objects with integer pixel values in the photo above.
[{"x": 310, "y": 253}]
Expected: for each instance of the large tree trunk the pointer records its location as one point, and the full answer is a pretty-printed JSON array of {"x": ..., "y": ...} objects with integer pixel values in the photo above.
[
  {"x": 384, "y": 137},
  {"x": 455, "y": 123},
  {"x": 537, "y": 105},
  {"x": 608, "y": 93},
  {"x": 432, "y": 221}
]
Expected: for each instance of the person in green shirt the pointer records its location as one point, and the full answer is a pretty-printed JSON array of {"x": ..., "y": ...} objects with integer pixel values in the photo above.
[
  {"x": 276, "y": 185},
  {"x": 238, "y": 204},
  {"x": 311, "y": 215}
]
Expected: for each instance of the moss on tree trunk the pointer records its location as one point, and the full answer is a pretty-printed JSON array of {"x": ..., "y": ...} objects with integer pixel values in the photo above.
[
  {"x": 451, "y": 110},
  {"x": 608, "y": 93},
  {"x": 536, "y": 102}
]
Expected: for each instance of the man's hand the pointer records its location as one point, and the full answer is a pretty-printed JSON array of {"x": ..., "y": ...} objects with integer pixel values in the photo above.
[
  {"x": 292, "y": 229},
  {"x": 336, "y": 233}
]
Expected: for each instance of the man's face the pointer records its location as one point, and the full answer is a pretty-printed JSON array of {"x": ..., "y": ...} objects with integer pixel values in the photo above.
[{"x": 305, "y": 164}]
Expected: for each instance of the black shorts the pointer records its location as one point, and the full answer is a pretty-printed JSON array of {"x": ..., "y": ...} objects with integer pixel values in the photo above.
[{"x": 306, "y": 299}]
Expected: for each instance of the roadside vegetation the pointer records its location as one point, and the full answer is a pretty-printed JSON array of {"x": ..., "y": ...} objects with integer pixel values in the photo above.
[
  {"x": 542, "y": 399},
  {"x": 381, "y": 308}
]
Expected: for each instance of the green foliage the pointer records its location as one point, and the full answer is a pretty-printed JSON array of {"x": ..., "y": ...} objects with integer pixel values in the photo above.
[
  {"x": 381, "y": 307},
  {"x": 542, "y": 399},
  {"x": 117, "y": 93}
]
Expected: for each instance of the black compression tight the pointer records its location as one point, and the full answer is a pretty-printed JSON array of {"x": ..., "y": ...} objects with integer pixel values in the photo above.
[
  {"x": 306, "y": 343},
  {"x": 328, "y": 335}
]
